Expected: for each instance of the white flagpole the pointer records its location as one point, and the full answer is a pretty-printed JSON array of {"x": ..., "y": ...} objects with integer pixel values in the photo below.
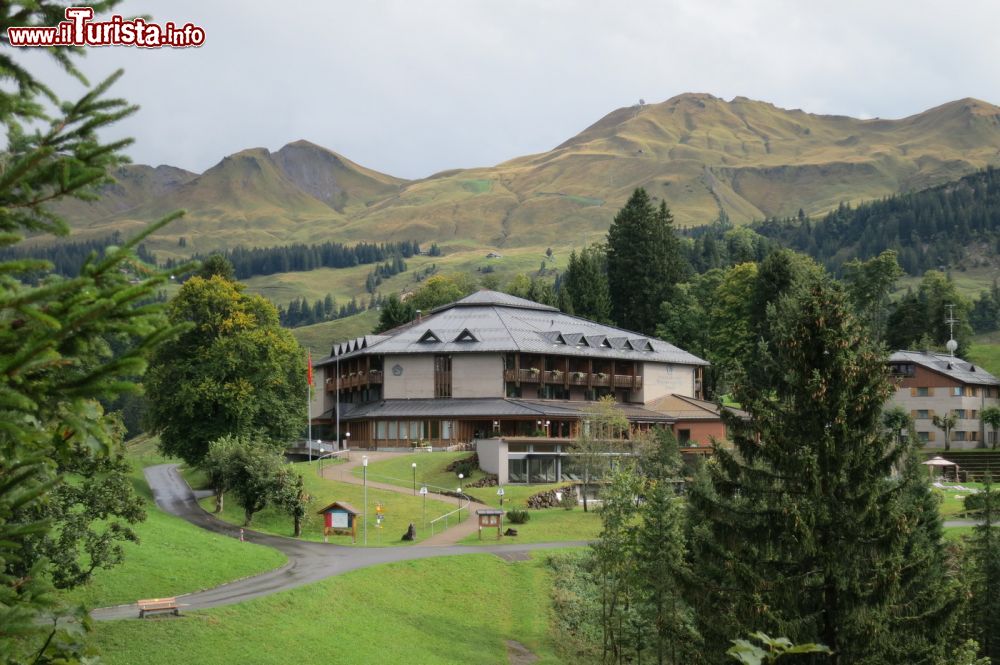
[
  {"x": 337, "y": 400},
  {"x": 309, "y": 407}
]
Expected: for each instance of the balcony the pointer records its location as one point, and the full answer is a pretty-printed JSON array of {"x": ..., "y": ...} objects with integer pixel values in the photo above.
[
  {"x": 355, "y": 380},
  {"x": 557, "y": 377}
]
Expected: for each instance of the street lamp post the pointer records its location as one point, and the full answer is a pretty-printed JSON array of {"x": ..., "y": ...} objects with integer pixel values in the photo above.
[
  {"x": 414, "y": 467},
  {"x": 364, "y": 475},
  {"x": 423, "y": 491},
  {"x": 347, "y": 441}
]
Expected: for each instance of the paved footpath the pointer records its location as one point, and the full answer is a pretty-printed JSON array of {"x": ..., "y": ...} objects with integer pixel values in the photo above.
[
  {"x": 449, "y": 536},
  {"x": 307, "y": 561}
]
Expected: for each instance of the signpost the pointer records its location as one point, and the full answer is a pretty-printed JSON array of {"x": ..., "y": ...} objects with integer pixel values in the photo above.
[{"x": 490, "y": 517}]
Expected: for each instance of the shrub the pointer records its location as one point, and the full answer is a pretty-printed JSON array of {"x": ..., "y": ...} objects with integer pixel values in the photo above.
[
  {"x": 518, "y": 516},
  {"x": 568, "y": 500}
]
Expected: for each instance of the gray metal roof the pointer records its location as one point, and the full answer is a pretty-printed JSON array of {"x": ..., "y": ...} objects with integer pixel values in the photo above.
[
  {"x": 500, "y": 323},
  {"x": 483, "y": 408},
  {"x": 950, "y": 366}
]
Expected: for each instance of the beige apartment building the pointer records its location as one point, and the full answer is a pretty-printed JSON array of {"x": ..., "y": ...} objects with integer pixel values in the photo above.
[
  {"x": 496, "y": 367},
  {"x": 936, "y": 384}
]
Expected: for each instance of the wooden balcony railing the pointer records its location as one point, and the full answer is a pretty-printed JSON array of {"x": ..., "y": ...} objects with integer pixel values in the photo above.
[
  {"x": 372, "y": 377},
  {"x": 558, "y": 377}
]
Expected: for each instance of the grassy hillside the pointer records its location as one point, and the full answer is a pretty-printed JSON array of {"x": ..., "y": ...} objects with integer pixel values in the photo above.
[
  {"x": 450, "y": 610},
  {"x": 172, "y": 556},
  {"x": 702, "y": 154}
]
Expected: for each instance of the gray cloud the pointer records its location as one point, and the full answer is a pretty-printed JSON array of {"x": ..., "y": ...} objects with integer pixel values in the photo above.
[{"x": 411, "y": 88}]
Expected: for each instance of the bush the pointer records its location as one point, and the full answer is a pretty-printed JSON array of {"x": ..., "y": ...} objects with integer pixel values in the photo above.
[
  {"x": 518, "y": 516},
  {"x": 975, "y": 503},
  {"x": 568, "y": 500}
]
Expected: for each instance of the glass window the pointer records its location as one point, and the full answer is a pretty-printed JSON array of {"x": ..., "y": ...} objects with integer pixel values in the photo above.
[
  {"x": 517, "y": 471},
  {"x": 541, "y": 470},
  {"x": 959, "y": 436},
  {"x": 923, "y": 392},
  {"x": 404, "y": 430},
  {"x": 923, "y": 413},
  {"x": 393, "y": 430},
  {"x": 957, "y": 391},
  {"x": 380, "y": 429},
  {"x": 446, "y": 429},
  {"x": 416, "y": 429},
  {"x": 435, "y": 429},
  {"x": 923, "y": 436}
]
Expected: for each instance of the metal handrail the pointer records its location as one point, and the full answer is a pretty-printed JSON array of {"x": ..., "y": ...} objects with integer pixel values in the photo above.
[{"x": 458, "y": 510}]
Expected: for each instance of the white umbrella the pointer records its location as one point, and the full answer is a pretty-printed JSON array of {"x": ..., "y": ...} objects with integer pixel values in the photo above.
[
  {"x": 939, "y": 461},
  {"x": 942, "y": 462}
]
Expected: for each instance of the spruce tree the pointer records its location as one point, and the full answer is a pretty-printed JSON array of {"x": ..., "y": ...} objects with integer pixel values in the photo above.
[
  {"x": 644, "y": 262},
  {"x": 802, "y": 530},
  {"x": 985, "y": 555},
  {"x": 586, "y": 285}
]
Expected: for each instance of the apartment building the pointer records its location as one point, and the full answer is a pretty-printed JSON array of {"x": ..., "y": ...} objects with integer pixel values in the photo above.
[{"x": 937, "y": 384}]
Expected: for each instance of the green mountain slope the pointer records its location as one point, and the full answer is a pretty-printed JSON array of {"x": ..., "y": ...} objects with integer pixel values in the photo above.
[{"x": 702, "y": 154}]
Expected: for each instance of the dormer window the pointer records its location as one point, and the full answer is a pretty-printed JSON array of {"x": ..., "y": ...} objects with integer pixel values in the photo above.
[
  {"x": 466, "y": 336},
  {"x": 429, "y": 338}
]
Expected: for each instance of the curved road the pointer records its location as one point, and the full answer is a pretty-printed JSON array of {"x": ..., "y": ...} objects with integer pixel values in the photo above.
[{"x": 307, "y": 561}]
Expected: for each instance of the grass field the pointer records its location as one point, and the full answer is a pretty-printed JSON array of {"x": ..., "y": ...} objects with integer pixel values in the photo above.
[
  {"x": 451, "y": 610},
  {"x": 400, "y": 511},
  {"x": 986, "y": 354},
  {"x": 545, "y": 526},
  {"x": 173, "y": 556},
  {"x": 431, "y": 470}
]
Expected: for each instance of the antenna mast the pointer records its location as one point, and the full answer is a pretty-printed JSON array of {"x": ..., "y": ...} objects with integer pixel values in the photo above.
[{"x": 951, "y": 321}]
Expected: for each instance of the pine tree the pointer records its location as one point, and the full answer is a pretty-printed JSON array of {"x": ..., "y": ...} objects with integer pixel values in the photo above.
[
  {"x": 394, "y": 313},
  {"x": 660, "y": 556},
  {"x": 802, "y": 530},
  {"x": 644, "y": 262},
  {"x": 56, "y": 363},
  {"x": 985, "y": 554},
  {"x": 586, "y": 285}
]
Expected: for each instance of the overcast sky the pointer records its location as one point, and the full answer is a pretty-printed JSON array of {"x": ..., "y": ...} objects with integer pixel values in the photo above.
[{"x": 411, "y": 88}]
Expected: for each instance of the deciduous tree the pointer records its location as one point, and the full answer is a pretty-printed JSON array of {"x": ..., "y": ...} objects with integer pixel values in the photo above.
[{"x": 235, "y": 371}]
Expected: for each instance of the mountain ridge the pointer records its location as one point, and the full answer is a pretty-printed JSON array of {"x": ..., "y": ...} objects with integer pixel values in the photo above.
[{"x": 704, "y": 155}]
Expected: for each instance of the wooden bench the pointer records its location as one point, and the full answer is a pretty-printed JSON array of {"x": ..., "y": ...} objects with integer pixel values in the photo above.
[{"x": 149, "y": 605}]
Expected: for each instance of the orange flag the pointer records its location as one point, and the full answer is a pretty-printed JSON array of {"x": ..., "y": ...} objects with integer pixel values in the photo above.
[{"x": 309, "y": 367}]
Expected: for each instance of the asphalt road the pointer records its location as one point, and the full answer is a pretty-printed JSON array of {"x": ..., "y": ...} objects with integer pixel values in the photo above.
[{"x": 307, "y": 561}]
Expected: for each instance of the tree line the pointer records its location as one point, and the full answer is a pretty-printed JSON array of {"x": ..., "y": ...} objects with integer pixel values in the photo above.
[
  {"x": 301, "y": 258},
  {"x": 67, "y": 258},
  {"x": 929, "y": 229}
]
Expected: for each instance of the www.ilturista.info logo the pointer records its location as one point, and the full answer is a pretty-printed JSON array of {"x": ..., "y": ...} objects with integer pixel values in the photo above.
[{"x": 80, "y": 30}]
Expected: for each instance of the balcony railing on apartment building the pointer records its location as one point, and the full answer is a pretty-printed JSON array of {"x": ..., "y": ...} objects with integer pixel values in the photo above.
[
  {"x": 355, "y": 380},
  {"x": 556, "y": 377}
]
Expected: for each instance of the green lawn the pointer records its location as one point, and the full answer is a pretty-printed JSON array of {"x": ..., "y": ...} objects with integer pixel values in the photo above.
[
  {"x": 957, "y": 533},
  {"x": 548, "y": 525},
  {"x": 953, "y": 501},
  {"x": 400, "y": 511},
  {"x": 172, "y": 557},
  {"x": 986, "y": 354},
  {"x": 450, "y": 610},
  {"x": 431, "y": 470}
]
